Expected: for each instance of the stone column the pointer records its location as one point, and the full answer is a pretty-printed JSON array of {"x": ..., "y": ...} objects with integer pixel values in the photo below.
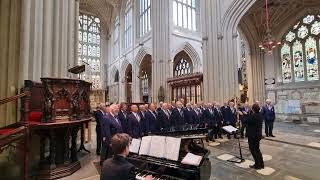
[
  {"x": 47, "y": 37},
  {"x": 160, "y": 45}
]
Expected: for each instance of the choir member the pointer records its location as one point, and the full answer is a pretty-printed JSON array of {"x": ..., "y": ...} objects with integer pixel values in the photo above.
[
  {"x": 123, "y": 116},
  {"x": 254, "y": 132},
  {"x": 98, "y": 116},
  {"x": 230, "y": 116},
  {"x": 178, "y": 116},
  {"x": 244, "y": 113},
  {"x": 134, "y": 123},
  {"x": 210, "y": 121},
  {"x": 164, "y": 117},
  {"x": 269, "y": 117},
  {"x": 219, "y": 120},
  {"x": 188, "y": 114},
  {"x": 118, "y": 167},
  {"x": 152, "y": 123},
  {"x": 200, "y": 110},
  {"x": 142, "y": 114},
  {"x": 196, "y": 116}
]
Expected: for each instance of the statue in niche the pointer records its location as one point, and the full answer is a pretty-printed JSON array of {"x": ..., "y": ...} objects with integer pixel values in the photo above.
[
  {"x": 75, "y": 105},
  {"x": 48, "y": 105}
]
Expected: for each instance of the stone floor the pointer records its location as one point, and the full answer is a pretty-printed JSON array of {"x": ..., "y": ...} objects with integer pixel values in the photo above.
[{"x": 292, "y": 155}]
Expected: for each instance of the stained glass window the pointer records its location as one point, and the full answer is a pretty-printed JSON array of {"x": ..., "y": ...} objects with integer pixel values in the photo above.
[
  {"x": 298, "y": 61},
  {"x": 185, "y": 13},
  {"x": 182, "y": 68},
  {"x": 312, "y": 59},
  {"x": 286, "y": 63},
  {"x": 303, "y": 32},
  {"x": 145, "y": 16},
  {"x": 299, "y": 52},
  {"x": 89, "y": 44},
  {"x": 315, "y": 29}
]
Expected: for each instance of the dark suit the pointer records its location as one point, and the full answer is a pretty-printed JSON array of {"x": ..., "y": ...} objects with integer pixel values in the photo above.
[
  {"x": 195, "y": 117},
  {"x": 124, "y": 120},
  {"x": 188, "y": 116},
  {"x": 117, "y": 168},
  {"x": 143, "y": 122},
  {"x": 178, "y": 118},
  {"x": 211, "y": 121},
  {"x": 230, "y": 117},
  {"x": 269, "y": 117},
  {"x": 219, "y": 120},
  {"x": 152, "y": 124},
  {"x": 243, "y": 119},
  {"x": 134, "y": 126},
  {"x": 109, "y": 127},
  {"x": 164, "y": 119},
  {"x": 254, "y": 132},
  {"x": 98, "y": 116}
]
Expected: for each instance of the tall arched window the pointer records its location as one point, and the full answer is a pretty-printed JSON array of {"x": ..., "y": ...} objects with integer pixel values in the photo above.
[
  {"x": 185, "y": 14},
  {"x": 128, "y": 25},
  {"x": 182, "y": 64},
  {"x": 89, "y": 47},
  {"x": 300, "y": 51},
  {"x": 144, "y": 16},
  {"x": 116, "y": 34},
  {"x": 116, "y": 77}
]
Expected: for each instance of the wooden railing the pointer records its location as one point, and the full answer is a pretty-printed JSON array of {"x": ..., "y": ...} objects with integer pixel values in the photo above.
[
  {"x": 12, "y": 98},
  {"x": 22, "y": 130}
]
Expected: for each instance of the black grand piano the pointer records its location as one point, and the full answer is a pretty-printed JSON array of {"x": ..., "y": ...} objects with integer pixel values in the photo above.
[{"x": 191, "y": 142}]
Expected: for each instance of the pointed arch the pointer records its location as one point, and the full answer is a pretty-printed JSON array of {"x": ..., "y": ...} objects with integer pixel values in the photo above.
[
  {"x": 124, "y": 66},
  {"x": 191, "y": 51},
  {"x": 140, "y": 55}
]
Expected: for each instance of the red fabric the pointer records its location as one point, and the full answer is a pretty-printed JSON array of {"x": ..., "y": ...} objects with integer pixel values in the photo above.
[
  {"x": 35, "y": 116},
  {"x": 6, "y": 131}
]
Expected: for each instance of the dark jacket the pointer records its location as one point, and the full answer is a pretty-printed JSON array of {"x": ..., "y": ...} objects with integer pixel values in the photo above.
[
  {"x": 164, "y": 119},
  {"x": 218, "y": 116},
  {"x": 188, "y": 116},
  {"x": 268, "y": 114},
  {"x": 124, "y": 121},
  {"x": 134, "y": 126},
  {"x": 98, "y": 116},
  {"x": 143, "y": 122},
  {"x": 229, "y": 116},
  {"x": 109, "y": 127},
  {"x": 254, "y": 126},
  {"x": 244, "y": 117},
  {"x": 178, "y": 118},
  {"x": 117, "y": 168},
  {"x": 152, "y": 123},
  {"x": 210, "y": 118}
]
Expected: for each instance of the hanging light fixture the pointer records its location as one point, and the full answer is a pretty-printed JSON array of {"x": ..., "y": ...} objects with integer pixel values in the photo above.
[{"x": 268, "y": 43}]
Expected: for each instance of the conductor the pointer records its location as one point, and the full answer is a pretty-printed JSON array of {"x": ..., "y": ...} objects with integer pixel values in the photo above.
[
  {"x": 117, "y": 167},
  {"x": 254, "y": 132}
]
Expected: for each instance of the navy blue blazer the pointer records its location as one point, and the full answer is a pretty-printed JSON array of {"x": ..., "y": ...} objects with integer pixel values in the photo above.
[
  {"x": 188, "y": 116},
  {"x": 152, "y": 124},
  {"x": 164, "y": 119},
  {"x": 98, "y": 116},
  {"x": 124, "y": 121},
  {"x": 178, "y": 119},
  {"x": 109, "y": 127},
  {"x": 229, "y": 116},
  {"x": 210, "y": 118},
  {"x": 268, "y": 114},
  {"x": 218, "y": 116},
  {"x": 143, "y": 122},
  {"x": 134, "y": 126}
]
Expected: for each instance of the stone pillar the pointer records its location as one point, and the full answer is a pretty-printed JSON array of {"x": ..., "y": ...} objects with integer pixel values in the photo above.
[
  {"x": 160, "y": 45},
  {"x": 47, "y": 37}
]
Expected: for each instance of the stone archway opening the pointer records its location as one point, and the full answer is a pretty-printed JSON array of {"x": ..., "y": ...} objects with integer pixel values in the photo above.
[
  {"x": 128, "y": 83},
  {"x": 145, "y": 75}
]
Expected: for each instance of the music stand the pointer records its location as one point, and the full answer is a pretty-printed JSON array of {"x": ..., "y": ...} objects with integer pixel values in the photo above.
[
  {"x": 77, "y": 70},
  {"x": 233, "y": 131}
]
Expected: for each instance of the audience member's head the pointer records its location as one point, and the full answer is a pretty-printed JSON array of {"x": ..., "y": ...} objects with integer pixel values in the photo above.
[
  {"x": 255, "y": 108},
  {"x": 134, "y": 108},
  {"x": 268, "y": 101},
  {"x": 142, "y": 108},
  {"x": 114, "y": 109},
  {"x": 120, "y": 144}
]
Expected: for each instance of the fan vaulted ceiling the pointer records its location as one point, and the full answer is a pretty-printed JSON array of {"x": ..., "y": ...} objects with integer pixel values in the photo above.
[{"x": 102, "y": 9}]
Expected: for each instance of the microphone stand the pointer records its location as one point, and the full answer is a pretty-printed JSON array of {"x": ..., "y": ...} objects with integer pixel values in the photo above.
[{"x": 240, "y": 151}]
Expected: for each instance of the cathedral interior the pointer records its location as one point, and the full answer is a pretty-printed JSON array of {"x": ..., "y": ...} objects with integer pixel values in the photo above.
[{"x": 61, "y": 59}]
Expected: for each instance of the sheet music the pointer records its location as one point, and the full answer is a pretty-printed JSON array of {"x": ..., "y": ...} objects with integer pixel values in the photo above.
[
  {"x": 157, "y": 147},
  {"x": 192, "y": 159},
  {"x": 230, "y": 129},
  {"x": 145, "y": 145},
  {"x": 135, "y": 145},
  {"x": 172, "y": 148}
]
